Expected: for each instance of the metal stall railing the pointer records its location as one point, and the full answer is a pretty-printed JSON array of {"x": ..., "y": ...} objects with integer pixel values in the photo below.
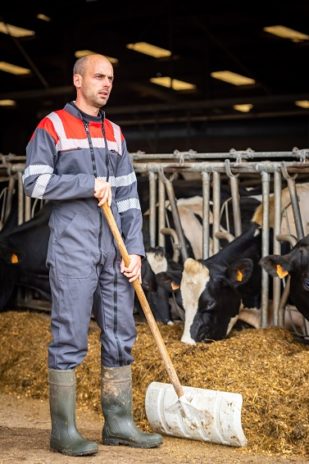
[
  {"x": 211, "y": 172},
  {"x": 266, "y": 167}
]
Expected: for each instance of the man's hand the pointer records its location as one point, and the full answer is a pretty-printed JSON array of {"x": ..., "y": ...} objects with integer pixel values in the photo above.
[
  {"x": 102, "y": 191},
  {"x": 133, "y": 271}
]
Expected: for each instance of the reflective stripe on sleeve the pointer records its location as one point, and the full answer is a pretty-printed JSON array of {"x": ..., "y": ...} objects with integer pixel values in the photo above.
[
  {"x": 121, "y": 181},
  {"x": 129, "y": 203},
  {"x": 34, "y": 169},
  {"x": 40, "y": 186}
]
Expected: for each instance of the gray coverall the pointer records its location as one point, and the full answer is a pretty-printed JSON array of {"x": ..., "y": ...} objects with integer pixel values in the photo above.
[{"x": 67, "y": 151}]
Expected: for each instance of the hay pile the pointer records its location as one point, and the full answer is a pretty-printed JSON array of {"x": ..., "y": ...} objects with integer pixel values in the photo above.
[{"x": 267, "y": 367}]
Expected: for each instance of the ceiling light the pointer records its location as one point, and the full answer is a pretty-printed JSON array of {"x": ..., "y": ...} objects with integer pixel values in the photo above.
[
  {"x": 302, "y": 103},
  {"x": 13, "y": 68},
  {"x": 232, "y": 78},
  {"x": 81, "y": 53},
  {"x": 286, "y": 33},
  {"x": 43, "y": 17},
  {"x": 244, "y": 108},
  {"x": 7, "y": 102},
  {"x": 15, "y": 31},
  {"x": 174, "y": 84},
  {"x": 149, "y": 49}
]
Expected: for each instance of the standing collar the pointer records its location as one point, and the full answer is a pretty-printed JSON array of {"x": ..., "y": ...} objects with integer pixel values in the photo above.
[{"x": 75, "y": 111}]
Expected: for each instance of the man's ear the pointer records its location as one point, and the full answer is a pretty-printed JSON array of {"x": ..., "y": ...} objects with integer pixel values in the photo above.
[
  {"x": 77, "y": 80},
  {"x": 240, "y": 271},
  {"x": 276, "y": 265}
]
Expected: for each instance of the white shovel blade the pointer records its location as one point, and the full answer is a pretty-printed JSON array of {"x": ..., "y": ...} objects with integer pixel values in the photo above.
[{"x": 200, "y": 414}]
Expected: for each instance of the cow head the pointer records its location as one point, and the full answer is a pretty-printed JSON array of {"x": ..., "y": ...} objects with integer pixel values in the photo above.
[
  {"x": 210, "y": 297},
  {"x": 157, "y": 259},
  {"x": 170, "y": 282},
  {"x": 295, "y": 264},
  {"x": 158, "y": 296}
]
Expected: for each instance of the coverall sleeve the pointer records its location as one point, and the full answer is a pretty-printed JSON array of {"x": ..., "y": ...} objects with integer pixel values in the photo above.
[
  {"x": 128, "y": 205},
  {"x": 40, "y": 177}
]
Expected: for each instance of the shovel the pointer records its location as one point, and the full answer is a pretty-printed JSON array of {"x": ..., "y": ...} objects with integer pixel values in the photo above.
[{"x": 195, "y": 413}]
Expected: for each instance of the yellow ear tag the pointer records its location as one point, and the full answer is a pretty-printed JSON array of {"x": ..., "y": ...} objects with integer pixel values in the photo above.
[
  {"x": 280, "y": 271},
  {"x": 14, "y": 259},
  {"x": 239, "y": 276},
  {"x": 175, "y": 286}
]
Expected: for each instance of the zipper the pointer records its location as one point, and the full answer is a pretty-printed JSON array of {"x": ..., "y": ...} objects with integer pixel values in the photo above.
[
  {"x": 94, "y": 167},
  {"x": 106, "y": 151}
]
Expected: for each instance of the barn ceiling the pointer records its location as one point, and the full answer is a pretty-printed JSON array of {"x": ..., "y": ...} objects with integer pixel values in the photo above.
[{"x": 221, "y": 35}]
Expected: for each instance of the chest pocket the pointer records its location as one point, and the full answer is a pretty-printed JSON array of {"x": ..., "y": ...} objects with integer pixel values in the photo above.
[{"x": 113, "y": 158}]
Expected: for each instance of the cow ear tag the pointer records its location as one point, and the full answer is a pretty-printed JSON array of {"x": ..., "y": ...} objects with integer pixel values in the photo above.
[
  {"x": 281, "y": 271},
  {"x": 175, "y": 286},
  {"x": 239, "y": 275},
  {"x": 14, "y": 259}
]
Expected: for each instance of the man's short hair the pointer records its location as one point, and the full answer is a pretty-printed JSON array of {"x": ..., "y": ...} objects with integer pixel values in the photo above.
[{"x": 80, "y": 64}]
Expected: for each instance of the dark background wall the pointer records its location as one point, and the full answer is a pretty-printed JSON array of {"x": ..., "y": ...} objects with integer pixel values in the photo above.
[{"x": 270, "y": 134}]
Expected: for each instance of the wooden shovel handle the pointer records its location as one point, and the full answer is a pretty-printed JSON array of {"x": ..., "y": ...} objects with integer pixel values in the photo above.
[{"x": 144, "y": 303}]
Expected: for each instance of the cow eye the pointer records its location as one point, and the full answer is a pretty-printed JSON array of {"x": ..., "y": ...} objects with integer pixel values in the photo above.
[
  {"x": 211, "y": 305},
  {"x": 306, "y": 284}
]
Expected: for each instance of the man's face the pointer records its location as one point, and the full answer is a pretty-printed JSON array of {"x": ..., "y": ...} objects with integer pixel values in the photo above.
[{"x": 96, "y": 82}]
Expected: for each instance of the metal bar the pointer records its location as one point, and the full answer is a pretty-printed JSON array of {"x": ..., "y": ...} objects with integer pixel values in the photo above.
[
  {"x": 300, "y": 154},
  {"x": 295, "y": 204},
  {"x": 21, "y": 198},
  {"x": 191, "y": 155},
  {"x": 277, "y": 318},
  {"x": 206, "y": 200},
  {"x": 265, "y": 247},
  {"x": 235, "y": 198},
  {"x": 242, "y": 168},
  {"x": 171, "y": 196},
  {"x": 216, "y": 211},
  {"x": 152, "y": 208},
  {"x": 175, "y": 242},
  {"x": 161, "y": 214},
  {"x": 27, "y": 216},
  {"x": 182, "y": 165},
  {"x": 236, "y": 205}
]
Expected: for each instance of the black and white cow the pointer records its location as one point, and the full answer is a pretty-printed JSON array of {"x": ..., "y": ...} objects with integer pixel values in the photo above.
[
  {"x": 156, "y": 295},
  {"x": 23, "y": 251},
  {"x": 212, "y": 290},
  {"x": 295, "y": 264},
  {"x": 191, "y": 213}
]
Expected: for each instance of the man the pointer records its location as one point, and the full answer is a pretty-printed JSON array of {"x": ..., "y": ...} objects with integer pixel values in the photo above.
[{"x": 78, "y": 159}]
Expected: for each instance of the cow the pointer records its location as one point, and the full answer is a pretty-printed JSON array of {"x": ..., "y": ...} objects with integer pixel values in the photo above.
[
  {"x": 23, "y": 251},
  {"x": 156, "y": 295},
  {"x": 212, "y": 290},
  {"x": 296, "y": 265}
]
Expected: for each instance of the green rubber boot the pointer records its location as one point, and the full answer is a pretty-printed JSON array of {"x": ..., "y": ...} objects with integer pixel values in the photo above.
[
  {"x": 119, "y": 427},
  {"x": 65, "y": 438}
]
